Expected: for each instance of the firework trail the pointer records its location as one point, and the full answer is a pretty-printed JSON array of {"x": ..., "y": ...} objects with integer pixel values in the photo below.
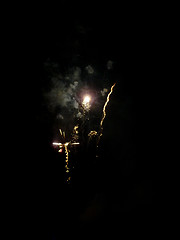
[
  {"x": 67, "y": 160},
  {"x": 104, "y": 114},
  {"x": 92, "y": 133}
]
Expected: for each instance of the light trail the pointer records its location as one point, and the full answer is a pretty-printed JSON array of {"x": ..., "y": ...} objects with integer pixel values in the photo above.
[
  {"x": 105, "y": 105},
  {"x": 57, "y": 144},
  {"x": 104, "y": 113}
]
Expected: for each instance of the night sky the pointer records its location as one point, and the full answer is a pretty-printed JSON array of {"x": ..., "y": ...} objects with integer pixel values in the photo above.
[{"x": 111, "y": 194}]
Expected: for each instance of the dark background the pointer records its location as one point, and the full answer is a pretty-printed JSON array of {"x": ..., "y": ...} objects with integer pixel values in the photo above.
[{"x": 112, "y": 195}]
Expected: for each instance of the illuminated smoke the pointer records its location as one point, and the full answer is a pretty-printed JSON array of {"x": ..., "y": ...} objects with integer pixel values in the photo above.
[
  {"x": 63, "y": 90},
  {"x": 92, "y": 134},
  {"x": 89, "y": 69},
  {"x": 79, "y": 115},
  {"x": 104, "y": 91},
  {"x": 67, "y": 156},
  {"x": 109, "y": 64}
]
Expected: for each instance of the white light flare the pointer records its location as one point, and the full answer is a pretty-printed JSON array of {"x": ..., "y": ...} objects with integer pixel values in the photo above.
[
  {"x": 65, "y": 144},
  {"x": 57, "y": 144},
  {"x": 86, "y": 99}
]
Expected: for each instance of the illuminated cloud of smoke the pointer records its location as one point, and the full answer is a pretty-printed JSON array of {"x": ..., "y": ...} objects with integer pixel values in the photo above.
[
  {"x": 65, "y": 87},
  {"x": 89, "y": 69},
  {"x": 79, "y": 115},
  {"x": 62, "y": 93},
  {"x": 109, "y": 64},
  {"x": 59, "y": 116},
  {"x": 104, "y": 92}
]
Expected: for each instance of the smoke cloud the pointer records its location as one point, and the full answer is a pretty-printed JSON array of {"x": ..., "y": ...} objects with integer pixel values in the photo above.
[
  {"x": 104, "y": 91},
  {"x": 66, "y": 89},
  {"x": 89, "y": 69},
  {"x": 109, "y": 64},
  {"x": 63, "y": 91}
]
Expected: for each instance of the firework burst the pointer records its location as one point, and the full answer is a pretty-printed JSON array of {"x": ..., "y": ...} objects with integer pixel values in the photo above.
[{"x": 89, "y": 141}]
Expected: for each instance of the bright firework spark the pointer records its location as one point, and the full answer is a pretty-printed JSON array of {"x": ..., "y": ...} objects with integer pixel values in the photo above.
[
  {"x": 86, "y": 102},
  {"x": 60, "y": 132},
  {"x": 57, "y": 144},
  {"x": 104, "y": 113},
  {"x": 75, "y": 136}
]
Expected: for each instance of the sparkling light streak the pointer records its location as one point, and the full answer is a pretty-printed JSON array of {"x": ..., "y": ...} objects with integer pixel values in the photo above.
[
  {"x": 92, "y": 133},
  {"x": 104, "y": 113},
  {"x": 86, "y": 102},
  {"x": 60, "y": 132},
  {"x": 65, "y": 144}
]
